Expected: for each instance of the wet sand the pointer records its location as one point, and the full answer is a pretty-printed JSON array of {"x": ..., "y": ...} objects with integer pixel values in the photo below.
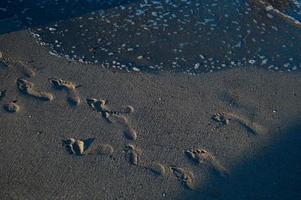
[{"x": 250, "y": 151}]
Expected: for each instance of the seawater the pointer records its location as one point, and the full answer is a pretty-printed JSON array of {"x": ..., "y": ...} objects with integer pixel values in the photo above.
[{"x": 190, "y": 36}]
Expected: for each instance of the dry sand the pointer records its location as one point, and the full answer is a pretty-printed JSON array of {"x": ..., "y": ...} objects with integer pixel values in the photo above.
[{"x": 172, "y": 114}]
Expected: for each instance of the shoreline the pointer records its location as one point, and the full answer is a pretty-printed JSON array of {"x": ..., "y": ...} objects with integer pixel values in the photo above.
[{"x": 172, "y": 114}]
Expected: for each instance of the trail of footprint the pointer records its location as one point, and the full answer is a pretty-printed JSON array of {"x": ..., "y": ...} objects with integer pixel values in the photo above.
[
  {"x": 202, "y": 156},
  {"x": 28, "y": 88},
  {"x": 72, "y": 94},
  {"x": 250, "y": 125},
  {"x": 11, "y": 106}
]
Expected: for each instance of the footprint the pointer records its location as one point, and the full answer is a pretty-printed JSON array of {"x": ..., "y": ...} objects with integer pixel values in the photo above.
[
  {"x": 248, "y": 124},
  {"x": 184, "y": 176},
  {"x": 157, "y": 168},
  {"x": 95, "y": 104},
  {"x": 28, "y": 88},
  {"x": 112, "y": 116},
  {"x": 73, "y": 97},
  {"x": 130, "y": 133},
  {"x": 11, "y": 107},
  {"x": 2, "y": 94},
  {"x": 219, "y": 117},
  {"x": 72, "y": 94},
  {"x": 202, "y": 156},
  {"x": 25, "y": 69},
  {"x": 124, "y": 111},
  {"x": 108, "y": 114},
  {"x": 77, "y": 146},
  {"x": 104, "y": 149},
  {"x": 133, "y": 154},
  {"x": 100, "y": 106}
]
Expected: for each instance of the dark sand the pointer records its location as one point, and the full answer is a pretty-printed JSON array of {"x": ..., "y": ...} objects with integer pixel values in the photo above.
[{"x": 172, "y": 114}]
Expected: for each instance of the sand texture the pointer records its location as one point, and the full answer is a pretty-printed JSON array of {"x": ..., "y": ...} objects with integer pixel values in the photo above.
[{"x": 78, "y": 131}]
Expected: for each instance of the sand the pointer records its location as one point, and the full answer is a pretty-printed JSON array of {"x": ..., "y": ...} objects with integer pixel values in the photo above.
[{"x": 172, "y": 113}]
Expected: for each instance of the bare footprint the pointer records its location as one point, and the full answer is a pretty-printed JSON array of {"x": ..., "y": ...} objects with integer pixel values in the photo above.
[
  {"x": 202, "y": 156},
  {"x": 130, "y": 133},
  {"x": 251, "y": 126},
  {"x": 108, "y": 114},
  {"x": 25, "y": 69},
  {"x": 72, "y": 94},
  {"x": 219, "y": 117},
  {"x": 77, "y": 146},
  {"x": 185, "y": 177},
  {"x": 124, "y": 111},
  {"x": 158, "y": 168},
  {"x": 28, "y": 88},
  {"x": 114, "y": 116},
  {"x": 100, "y": 106},
  {"x": 11, "y": 106},
  {"x": 103, "y": 149},
  {"x": 96, "y": 104},
  {"x": 133, "y": 154}
]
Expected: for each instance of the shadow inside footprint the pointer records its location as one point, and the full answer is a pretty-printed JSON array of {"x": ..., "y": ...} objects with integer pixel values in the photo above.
[
  {"x": 2, "y": 94},
  {"x": 87, "y": 143}
]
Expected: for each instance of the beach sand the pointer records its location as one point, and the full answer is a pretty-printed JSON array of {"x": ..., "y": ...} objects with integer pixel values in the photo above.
[{"x": 252, "y": 151}]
